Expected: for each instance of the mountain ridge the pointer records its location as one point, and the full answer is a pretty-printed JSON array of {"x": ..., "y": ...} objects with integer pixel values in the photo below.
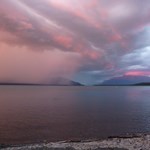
[
  {"x": 52, "y": 82},
  {"x": 126, "y": 80}
]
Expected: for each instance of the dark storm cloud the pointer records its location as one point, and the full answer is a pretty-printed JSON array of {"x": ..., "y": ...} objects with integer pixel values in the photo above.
[{"x": 102, "y": 32}]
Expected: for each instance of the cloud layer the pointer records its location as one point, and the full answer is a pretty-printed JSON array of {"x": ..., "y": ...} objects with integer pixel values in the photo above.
[{"x": 88, "y": 40}]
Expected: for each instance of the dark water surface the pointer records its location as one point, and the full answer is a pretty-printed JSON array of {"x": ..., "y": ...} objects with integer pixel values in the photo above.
[{"x": 30, "y": 114}]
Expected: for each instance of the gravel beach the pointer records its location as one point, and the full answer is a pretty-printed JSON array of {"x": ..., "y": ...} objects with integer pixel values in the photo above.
[{"x": 139, "y": 142}]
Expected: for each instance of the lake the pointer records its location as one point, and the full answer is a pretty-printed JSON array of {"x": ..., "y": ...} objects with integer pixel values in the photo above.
[{"x": 30, "y": 114}]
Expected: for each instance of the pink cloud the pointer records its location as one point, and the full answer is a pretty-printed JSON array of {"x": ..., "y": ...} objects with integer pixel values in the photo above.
[
  {"x": 23, "y": 65},
  {"x": 138, "y": 73}
]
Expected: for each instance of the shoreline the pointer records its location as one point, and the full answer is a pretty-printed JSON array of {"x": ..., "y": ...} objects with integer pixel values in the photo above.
[{"x": 127, "y": 142}]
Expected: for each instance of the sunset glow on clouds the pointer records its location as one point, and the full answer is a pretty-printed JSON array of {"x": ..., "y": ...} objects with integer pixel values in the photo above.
[{"x": 88, "y": 40}]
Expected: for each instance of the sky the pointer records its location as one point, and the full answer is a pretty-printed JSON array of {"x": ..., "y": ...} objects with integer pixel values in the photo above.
[{"x": 88, "y": 41}]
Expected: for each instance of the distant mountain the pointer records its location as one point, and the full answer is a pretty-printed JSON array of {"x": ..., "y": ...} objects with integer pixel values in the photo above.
[
  {"x": 143, "y": 84},
  {"x": 52, "y": 82},
  {"x": 127, "y": 80},
  {"x": 63, "y": 82}
]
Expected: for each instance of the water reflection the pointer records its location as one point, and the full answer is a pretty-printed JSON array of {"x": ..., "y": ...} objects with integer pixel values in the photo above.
[{"x": 33, "y": 114}]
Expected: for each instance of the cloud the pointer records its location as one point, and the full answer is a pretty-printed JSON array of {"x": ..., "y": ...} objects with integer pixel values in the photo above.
[
  {"x": 104, "y": 34},
  {"x": 137, "y": 62},
  {"x": 19, "y": 64},
  {"x": 138, "y": 57}
]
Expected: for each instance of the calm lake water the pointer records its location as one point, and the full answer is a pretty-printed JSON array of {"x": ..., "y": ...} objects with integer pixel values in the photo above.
[{"x": 30, "y": 114}]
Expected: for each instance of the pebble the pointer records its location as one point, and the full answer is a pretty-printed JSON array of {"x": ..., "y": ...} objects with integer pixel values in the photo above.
[{"x": 117, "y": 143}]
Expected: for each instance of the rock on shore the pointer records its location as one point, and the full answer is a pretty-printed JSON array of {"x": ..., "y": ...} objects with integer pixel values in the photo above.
[{"x": 141, "y": 142}]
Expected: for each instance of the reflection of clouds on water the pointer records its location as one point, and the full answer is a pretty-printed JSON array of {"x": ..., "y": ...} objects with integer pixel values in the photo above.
[
  {"x": 137, "y": 93},
  {"x": 31, "y": 113}
]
